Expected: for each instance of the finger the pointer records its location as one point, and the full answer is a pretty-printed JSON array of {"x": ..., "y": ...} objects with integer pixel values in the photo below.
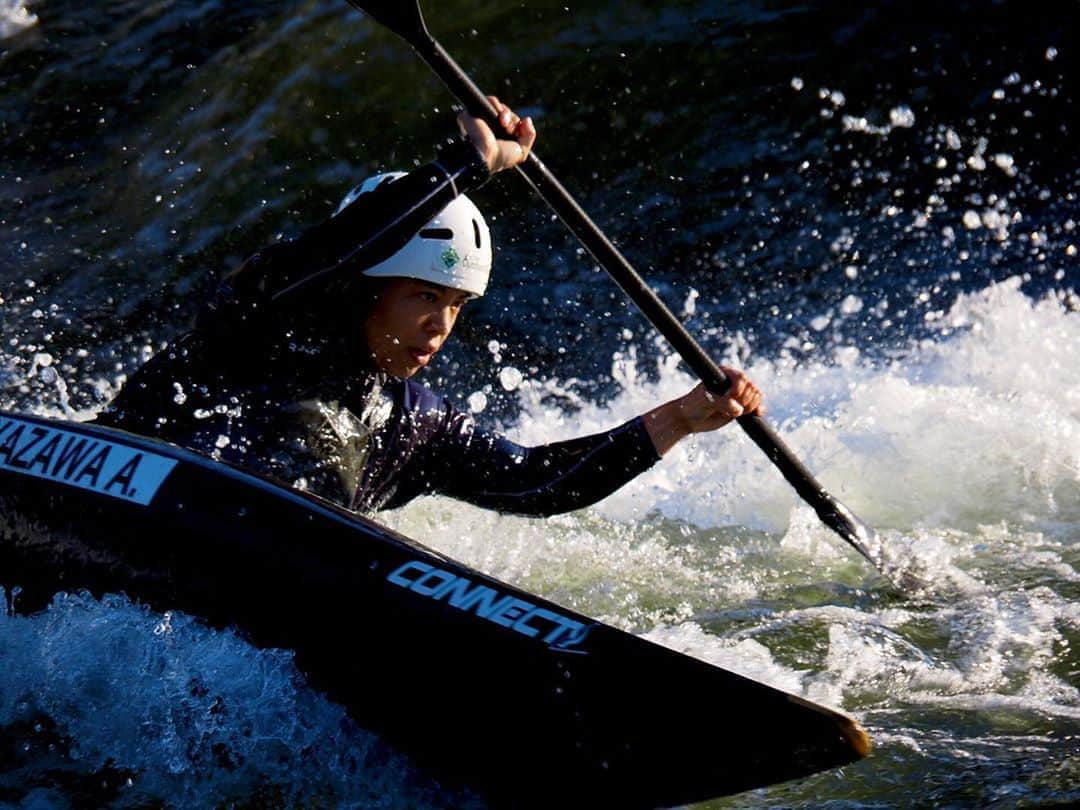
[
  {"x": 737, "y": 389},
  {"x": 526, "y": 133},
  {"x": 722, "y": 405},
  {"x": 503, "y": 114},
  {"x": 753, "y": 402},
  {"x": 509, "y": 121}
]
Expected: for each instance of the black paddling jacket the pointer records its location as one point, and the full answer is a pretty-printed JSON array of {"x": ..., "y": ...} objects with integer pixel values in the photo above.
[{"x": 273, "y": 377}]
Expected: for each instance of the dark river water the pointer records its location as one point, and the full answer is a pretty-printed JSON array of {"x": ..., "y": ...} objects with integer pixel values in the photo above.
[{"x": 873, "y": 209}]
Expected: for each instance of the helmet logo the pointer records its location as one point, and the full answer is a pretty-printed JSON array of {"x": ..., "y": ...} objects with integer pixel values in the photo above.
[{"x": 450, "y": 258}]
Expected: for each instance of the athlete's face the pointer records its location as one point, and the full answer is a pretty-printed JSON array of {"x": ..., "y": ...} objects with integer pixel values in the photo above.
[{"x": 409, "y": 323}]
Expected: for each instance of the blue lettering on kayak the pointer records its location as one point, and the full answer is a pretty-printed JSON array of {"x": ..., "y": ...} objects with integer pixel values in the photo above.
[
  {"x": 100, "y": 466},
  {"x": 486, "y": 602}
]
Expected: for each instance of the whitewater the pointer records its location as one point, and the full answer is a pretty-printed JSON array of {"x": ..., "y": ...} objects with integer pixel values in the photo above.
[
  {"x": 874, "y": 214},
  {"x": 962, "y": 450}
]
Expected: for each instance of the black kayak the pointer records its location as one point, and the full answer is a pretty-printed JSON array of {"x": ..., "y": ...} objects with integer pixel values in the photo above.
[{"x": 488, "y": 687}]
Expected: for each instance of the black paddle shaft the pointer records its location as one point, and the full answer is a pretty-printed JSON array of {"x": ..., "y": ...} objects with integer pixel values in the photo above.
[{"x": 405, "y": 19}]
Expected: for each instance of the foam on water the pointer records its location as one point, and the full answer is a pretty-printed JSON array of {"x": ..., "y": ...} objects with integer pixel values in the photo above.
[{"x": 980, "y": 426}]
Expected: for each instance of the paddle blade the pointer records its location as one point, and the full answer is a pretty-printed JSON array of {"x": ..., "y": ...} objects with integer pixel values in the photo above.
[
  {"x": 904, "y": 574},
  {"x": 403, "y": 17}
]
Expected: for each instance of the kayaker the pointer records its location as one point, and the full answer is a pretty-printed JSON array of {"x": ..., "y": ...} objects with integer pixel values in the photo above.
[{"x": 302, "y": 367}]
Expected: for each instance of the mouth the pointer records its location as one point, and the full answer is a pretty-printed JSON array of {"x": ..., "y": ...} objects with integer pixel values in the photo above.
[{"x": 421, "y": 356}]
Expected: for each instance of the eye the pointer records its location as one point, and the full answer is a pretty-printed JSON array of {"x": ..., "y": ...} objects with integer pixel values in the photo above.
[{"x": 428, "y": 297}]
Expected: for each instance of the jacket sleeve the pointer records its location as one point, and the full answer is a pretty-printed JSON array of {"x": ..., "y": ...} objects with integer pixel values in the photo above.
[{"x": 491, "y": 471}]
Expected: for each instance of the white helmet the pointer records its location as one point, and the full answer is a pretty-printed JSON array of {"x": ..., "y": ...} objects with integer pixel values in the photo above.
[{"x": 453, "y": 249}]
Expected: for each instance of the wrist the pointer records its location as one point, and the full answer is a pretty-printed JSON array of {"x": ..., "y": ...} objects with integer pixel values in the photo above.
[
  {"x": 667, "y": 425},
  {"x": 682, "y": 417}
]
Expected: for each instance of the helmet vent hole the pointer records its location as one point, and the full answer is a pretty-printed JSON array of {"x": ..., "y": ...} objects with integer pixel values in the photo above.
[
  {"x": 476, "y": 233},
  {"x": 437, "y": 233}
]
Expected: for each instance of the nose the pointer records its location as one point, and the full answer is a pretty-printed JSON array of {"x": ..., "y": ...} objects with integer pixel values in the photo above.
[{"x": 441, "y": 321}]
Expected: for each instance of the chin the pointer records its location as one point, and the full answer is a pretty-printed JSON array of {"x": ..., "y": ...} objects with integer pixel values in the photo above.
[
  {"x": 402, "y": 372},
  {"x": 401, "y": 369}
]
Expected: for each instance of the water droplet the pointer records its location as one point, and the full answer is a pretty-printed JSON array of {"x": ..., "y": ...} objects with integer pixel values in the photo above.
[
  {"x": 477, "y": 401},
  {"x": 510, "y": 378}
]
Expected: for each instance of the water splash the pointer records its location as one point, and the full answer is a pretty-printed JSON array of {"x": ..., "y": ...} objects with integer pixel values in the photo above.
[
  {"x": 177, "y": 712},
  {"x": 708, "y": 553},
  {"x": 963, "y": 452},
  {"x": 15, "y": 17}
]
